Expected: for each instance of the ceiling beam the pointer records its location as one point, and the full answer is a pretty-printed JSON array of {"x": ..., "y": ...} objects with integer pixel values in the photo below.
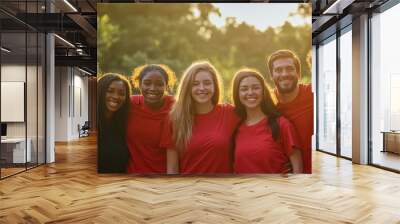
[
  {"x": 82, "y": 61},
  {"x": 337, "y": 7},
  {"x": 86, "y": 26}
]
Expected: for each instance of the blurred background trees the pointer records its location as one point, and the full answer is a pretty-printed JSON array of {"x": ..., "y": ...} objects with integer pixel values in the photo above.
[{"x": 130, "y": 35}]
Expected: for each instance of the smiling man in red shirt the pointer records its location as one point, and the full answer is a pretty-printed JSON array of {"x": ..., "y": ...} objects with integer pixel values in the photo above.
[{"x": 295, "y": 101}]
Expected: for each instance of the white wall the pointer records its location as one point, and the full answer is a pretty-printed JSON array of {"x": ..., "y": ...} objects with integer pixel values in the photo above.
[
  {"x": 61, "y": 103},
  {"x": 71, "y": 94},
  {"x": 12, "y": 73},
  {"x": 80, "y": 112}
]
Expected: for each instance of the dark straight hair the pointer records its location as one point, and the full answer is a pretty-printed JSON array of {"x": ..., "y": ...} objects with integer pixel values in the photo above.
[
  {"x": 267, "y": 104},
  {"x": 118, "y": 120}
]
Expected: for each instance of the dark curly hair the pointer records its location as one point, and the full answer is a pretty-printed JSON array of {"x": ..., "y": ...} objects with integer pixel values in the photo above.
[{"x": 139, "y": 72}]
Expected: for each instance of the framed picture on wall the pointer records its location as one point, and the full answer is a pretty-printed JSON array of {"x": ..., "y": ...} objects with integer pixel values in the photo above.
[{"x": 201, "y": 88}]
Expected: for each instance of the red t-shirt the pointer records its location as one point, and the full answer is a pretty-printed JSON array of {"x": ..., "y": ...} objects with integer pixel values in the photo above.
[
  {"x": 209, "y": 149},
  {"x": 257, "y": 152},
  {"x": 143, "y": 134},
  {"x": 300, "y": 113}
]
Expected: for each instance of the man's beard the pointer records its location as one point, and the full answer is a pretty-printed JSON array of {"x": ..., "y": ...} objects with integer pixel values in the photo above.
[{"x": 289, "y": 89}]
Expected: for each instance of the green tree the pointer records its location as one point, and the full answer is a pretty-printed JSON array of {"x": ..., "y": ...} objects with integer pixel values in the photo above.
[
  {"x": 174, "y": 34},
  {"x": 107, "y": 36}
]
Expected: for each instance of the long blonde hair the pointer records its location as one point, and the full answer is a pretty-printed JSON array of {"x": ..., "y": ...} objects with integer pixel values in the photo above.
[{"x": 182, "y": 113}]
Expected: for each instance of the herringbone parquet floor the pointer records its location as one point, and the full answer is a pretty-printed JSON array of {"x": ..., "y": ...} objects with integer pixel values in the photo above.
[{"x": 70, "y": 191}]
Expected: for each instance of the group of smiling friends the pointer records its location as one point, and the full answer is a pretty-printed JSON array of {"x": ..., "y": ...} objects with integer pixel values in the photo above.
[{"x": 193, "y": 132}]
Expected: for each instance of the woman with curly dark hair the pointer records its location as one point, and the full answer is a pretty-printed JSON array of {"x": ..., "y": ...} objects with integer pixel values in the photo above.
[
  {"x": 149, "y": 111},
  {"x": 113, "y": 91}
]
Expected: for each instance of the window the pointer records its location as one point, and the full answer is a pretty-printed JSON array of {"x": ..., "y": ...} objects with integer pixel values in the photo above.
[
  {"x": 385, "y": 85},
  {"x": 327, "y": 96},
  {"x": 346, "y": 93},
  {"x": 22, "y": 64}
]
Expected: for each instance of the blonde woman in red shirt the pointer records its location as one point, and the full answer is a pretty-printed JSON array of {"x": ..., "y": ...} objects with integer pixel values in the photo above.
[
  {"x": 201, "y": 127},
  {"x": 265, "y": 141}
]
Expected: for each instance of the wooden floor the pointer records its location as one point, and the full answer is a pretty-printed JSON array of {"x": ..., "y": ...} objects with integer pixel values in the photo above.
[
  {"x": 387, "y": 159},
  {"x": 10, "y": 171},
  {"x": 70, "y": 191}
]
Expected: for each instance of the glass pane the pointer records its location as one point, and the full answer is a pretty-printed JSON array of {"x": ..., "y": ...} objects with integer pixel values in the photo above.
[
  {"x": 346, "y": 94},
  {"x": 385, "y": 89},
  {"x": 41, "y": 98},
  {"x": 327, "y": 97},
  {"x": 31, "y": 97},
  {"x": 13, "y": 85}
]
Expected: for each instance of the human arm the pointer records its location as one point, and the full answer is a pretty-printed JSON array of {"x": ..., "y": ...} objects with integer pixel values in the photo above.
[
  {"x": 172, "y": 161},
  {"x": 296, "y": 161},
  {"x": 291, "y": 147}
]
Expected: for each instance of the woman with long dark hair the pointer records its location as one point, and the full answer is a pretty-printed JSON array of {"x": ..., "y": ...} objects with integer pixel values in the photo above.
[
  {"x": 265, "y": 141},
  {"x": 113, "y": 91}
]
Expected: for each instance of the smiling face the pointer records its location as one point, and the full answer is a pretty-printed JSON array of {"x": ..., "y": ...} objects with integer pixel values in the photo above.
[
  {"x": 250, "y": 92},
  {"x": 153, "y": 87},
  {"x": 115, "y": 96},
  {"x": 285, "y": 75},
  {"x": 203, "y": 87}
]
